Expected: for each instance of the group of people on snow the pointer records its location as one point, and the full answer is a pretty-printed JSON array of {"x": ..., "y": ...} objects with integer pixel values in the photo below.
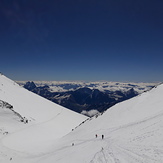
[
  {"x": 102, "y": 136},
  {"x": 97, "y": 136}
]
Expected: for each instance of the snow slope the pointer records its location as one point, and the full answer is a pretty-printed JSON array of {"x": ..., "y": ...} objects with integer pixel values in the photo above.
[
  {"x": 27, "y": 103},
  {"x": 133, "y": 133},
  {"x": 46, "y": 121}
]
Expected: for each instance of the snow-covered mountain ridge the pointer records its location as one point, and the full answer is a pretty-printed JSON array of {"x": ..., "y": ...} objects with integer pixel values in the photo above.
[
  {"x": 31, "y": 116},
  {"x": 132, "y": 130},
  {"x": 27, "y": 103}
]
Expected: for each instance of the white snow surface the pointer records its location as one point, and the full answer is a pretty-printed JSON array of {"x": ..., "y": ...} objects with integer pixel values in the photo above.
[
  {"x": 47, "y": 121},
  {"x": 133, "y": 133}
]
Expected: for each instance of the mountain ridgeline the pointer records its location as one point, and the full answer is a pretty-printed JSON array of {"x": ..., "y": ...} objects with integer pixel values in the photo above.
[
  {"x": 82, "y": 98},
  {"x": 34, "y": 129}
]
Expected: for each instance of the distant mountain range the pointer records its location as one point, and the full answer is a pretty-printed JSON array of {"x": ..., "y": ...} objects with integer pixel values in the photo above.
[
  {"x": 87, "y": 98},
  {"x": 34, "y": 129}
]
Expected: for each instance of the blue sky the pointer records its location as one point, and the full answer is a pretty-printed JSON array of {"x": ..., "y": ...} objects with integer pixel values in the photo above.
[{"x": 114, "y": 40}]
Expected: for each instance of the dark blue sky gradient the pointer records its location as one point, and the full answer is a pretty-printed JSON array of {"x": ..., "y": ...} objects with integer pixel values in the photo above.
[{"x": 115, "y": 40}]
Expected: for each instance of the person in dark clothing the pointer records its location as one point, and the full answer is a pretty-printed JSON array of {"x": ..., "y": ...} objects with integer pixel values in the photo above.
[
  {"x": 96, "y": 135},
  {"x": 102, "y": 136}
]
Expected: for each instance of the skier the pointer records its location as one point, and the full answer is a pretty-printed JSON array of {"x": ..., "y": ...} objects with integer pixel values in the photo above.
[
  {"x": 96, "y": 135},
  {"x": 102, "y": 136}
]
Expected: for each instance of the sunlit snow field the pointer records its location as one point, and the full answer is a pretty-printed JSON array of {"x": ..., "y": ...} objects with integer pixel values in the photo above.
[{"x": 133, "y": 130}]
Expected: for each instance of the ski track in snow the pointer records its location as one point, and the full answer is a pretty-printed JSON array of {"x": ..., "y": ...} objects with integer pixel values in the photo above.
[
  {"x": 125, "y": 152},
  {"x": 116, "y": 149},
  {"x": 137, "y": 140},
  {"x": 118, "y": 152}
]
